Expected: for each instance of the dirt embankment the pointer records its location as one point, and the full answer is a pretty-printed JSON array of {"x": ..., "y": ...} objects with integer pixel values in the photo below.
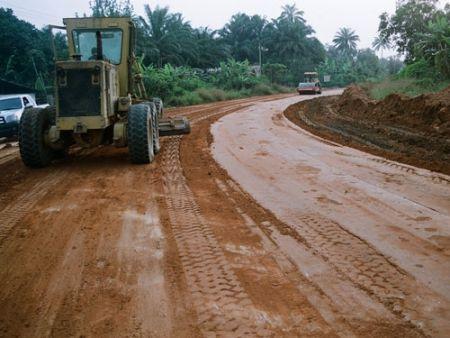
[{"x": 414, "y": 131}]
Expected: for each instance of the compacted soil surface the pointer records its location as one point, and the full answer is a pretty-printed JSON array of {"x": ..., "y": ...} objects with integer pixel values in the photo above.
[
  {"x": 415, "y": 131},
  {"x": 249, "y": 226}
]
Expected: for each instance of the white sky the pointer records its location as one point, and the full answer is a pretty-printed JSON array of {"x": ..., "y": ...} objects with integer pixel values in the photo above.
[{"x": 325, "y": 16}]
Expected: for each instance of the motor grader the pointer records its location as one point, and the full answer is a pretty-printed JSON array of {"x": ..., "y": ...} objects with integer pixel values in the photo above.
[{"x": 100, "y": 98}]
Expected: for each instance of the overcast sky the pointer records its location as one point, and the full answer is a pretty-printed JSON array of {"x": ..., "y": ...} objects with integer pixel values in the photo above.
[{"x": 325, "y": 16}]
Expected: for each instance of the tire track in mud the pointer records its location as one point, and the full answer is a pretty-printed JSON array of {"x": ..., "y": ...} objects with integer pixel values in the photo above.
[
  {"x": 223, "y": 307},
  {"x": 5, "y": 158},
  {"x": 364, "y": 266},
  {"x": 382, "y": 280},
  {"x": 434, "y": 177},
  {"x": 355, "y": 258},
  {"x": 314, "y": 294},
  {"x": 12, "y": 213},
  {"x": 16, "y": 210}
]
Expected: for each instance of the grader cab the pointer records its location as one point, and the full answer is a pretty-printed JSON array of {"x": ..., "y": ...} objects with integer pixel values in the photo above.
[{"x": 100, "y": 98}]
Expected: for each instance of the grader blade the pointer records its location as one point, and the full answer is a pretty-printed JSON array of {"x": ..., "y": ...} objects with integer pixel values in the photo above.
[{"x": 174, "y": 126}]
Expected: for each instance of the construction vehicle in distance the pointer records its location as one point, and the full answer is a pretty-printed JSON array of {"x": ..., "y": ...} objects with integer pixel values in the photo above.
[
  {"x": 311, "y": 84},
  {"x": 100, "y": 98}
]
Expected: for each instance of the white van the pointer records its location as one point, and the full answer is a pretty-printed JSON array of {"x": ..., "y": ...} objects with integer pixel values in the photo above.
[{"x": 11, "y": 109}]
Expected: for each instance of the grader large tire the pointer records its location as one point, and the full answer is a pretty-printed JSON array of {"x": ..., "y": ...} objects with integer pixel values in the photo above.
[
  {"x": 33, "y": 125},
  {"x": 140, "y": 134}
]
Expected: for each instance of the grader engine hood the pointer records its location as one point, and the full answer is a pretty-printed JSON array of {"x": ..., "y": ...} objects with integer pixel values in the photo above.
[{"x": 86, "y": 94}]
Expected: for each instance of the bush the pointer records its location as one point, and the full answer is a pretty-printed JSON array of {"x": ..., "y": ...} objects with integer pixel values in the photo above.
[
  {"x": 187, "y": 99},
  {"x": 419, "y": 70},
  {"x": 236, "y": 75},
  {"x": 211, "y": 94},
  {"x": 407, "y": 86},
  {"x": 234, "y": 94},
  {"x": 281, "y": 89},
  {"x": 263, "y": 89},
  {"x": 182, "y": 86}
]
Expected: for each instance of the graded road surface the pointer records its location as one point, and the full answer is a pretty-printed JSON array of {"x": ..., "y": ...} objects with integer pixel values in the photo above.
[{"x": 256, "y": 228}]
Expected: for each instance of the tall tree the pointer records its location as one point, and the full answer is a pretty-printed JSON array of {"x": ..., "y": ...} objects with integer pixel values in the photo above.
[
  {"x": 105, "y": 8},
  {"x": 210, "y": 50},
  {"x": 434, "y": 45},
  {"x": 244, "y": 34},
  {"x": 367, "y": 64},
  {"x": 289, "y": 41},
  {"x": 292, "y": 14},
  {"x": 287, "y": 35},
  {"x": 166, "y": 37},
  {"x": 410, "y": 19},
  {"x": 345, "y": 42},
  {"x": 21, "y": 44},
  {"x": 380, "y": 44}
]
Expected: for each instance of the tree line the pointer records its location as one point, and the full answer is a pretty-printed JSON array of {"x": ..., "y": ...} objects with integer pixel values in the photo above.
[
  {"x": 420, "y": 31},
  {"x": 285, "y": 46}
]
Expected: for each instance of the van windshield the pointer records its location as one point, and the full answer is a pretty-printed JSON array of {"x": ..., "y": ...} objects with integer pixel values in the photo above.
[
  {"x": 85, "y": 41},
  {"x": 12, "y": 103}
]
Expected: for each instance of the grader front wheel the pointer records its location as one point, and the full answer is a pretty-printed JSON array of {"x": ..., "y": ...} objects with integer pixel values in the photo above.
[
  {"x": 34, "y": 123},
  {"x": 141, "y": 132}
]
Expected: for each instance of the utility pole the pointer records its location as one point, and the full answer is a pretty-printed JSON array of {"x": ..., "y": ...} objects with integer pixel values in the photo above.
[{"x": 260, "y": 58}]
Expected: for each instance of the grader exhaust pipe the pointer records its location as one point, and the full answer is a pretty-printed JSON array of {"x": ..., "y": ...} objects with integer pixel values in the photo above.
[{"x": 98, "y": 35}]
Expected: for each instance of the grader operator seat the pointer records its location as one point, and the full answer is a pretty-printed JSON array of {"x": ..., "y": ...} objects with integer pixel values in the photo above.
[{"x": 100, "y": 98}]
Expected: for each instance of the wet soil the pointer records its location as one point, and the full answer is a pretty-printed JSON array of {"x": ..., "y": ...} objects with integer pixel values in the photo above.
[
  {"x": 414, "y": 131},
  {"x": 360, "y": 228},
  {"x": 96, "y": 247}
]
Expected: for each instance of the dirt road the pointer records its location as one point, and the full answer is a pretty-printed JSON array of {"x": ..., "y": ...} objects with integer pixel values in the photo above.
[{"x": 299, "y": 238}]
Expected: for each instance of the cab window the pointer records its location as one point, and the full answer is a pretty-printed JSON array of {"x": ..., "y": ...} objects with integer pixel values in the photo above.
[{"x": 85, "y": 42}]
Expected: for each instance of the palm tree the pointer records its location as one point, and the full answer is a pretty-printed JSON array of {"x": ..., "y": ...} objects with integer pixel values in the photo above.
[
  {"x": 380, "y": 44},
  {"x": 210, "y": 49},
  {"x": 292, "y": 14},
  {"x": 166, "y": 36},
  {"x": 345, "y": 42},
  {"x": 111, "y": 8}
]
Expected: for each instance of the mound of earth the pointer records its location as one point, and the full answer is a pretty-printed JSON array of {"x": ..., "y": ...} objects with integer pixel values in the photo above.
[{"x": 414, "y": 130}]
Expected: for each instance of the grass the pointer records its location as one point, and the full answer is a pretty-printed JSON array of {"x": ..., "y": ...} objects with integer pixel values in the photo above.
[
  {"x": 407, "y": 86},
  {"x": 213, "y": 94}
]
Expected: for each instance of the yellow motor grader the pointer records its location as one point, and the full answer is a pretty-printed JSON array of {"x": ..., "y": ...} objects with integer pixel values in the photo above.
[{"x": 100, "y": 98}]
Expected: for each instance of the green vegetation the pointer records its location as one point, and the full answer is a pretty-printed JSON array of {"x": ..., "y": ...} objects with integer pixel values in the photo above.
[
  {"x": 182, "y": 86},
  {"x": 187, "y": 65},
  {"x": 25, "y": 52},
  {"x": 347, "y": 64},
  {"x": 408, "y": 86},
  {"x": 420, "y": 31}
]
